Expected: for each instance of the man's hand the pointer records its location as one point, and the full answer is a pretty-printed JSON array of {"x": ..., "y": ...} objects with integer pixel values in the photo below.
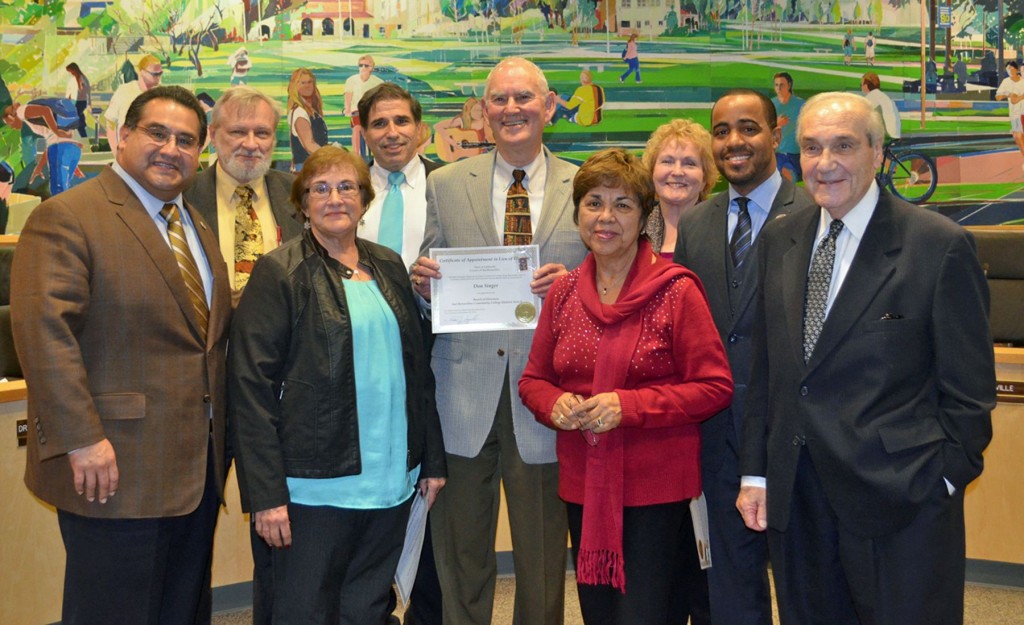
[
  {"x": 95, "y": 471},
  {"x": 753, "y": 507},
  {"x": 429, "y": 487},
  {"x": 273, "y": 526},
  {"x": 545, "y": 276},
  {"x": 421, "y": 273}
]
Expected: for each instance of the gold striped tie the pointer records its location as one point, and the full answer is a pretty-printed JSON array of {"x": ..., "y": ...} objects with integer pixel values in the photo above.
[{"x": 187, "y": 264}]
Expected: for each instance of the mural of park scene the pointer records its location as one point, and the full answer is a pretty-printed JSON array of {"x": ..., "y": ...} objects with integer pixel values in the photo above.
[{"x": 620, "y": 68}]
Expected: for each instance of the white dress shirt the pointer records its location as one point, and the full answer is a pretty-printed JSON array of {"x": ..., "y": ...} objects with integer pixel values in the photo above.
[
  {"x": 414, "y": 207},
  {"x": 536, "y": 177}
]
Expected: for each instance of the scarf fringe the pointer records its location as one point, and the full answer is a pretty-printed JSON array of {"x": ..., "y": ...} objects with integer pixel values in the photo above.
[{"x": 601, "y": 567}]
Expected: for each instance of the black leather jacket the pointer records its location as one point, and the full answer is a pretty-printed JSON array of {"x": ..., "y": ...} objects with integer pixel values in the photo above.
[{"x": 291, "y": 383}]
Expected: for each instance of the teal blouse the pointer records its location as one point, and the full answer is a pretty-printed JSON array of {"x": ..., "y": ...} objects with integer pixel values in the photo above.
[{"x": 380, "y": 398}]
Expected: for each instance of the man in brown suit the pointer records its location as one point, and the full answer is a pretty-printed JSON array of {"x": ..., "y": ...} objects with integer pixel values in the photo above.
[{"x": 123, "y": 346}]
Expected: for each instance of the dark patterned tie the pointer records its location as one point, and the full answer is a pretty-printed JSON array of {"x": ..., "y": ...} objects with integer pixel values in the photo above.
[
  {"x": 187, "y": 264},
  {"x": 819, "y": 279},
  {"x": 741, "y": 235},
  {"x": 248, "y": 236},
  {"x": 518, "y": 230}
]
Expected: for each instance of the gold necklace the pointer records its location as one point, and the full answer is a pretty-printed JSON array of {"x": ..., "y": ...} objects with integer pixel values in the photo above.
[{"x": 612, "y": 284}]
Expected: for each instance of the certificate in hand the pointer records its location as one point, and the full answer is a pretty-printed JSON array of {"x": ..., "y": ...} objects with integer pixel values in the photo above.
[{"x": 484, "y": 288}]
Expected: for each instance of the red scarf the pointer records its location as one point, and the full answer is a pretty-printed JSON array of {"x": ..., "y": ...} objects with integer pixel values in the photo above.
[{"x": 601, "y": 560}]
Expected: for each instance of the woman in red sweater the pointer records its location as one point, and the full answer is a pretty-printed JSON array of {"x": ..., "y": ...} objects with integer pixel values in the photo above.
[{"x": 625, "y": 364}]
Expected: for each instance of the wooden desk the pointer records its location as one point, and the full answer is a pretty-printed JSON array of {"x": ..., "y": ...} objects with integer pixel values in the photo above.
[
  {"x": 32, "y": 553},
  {"x": 994, "y": 503}
]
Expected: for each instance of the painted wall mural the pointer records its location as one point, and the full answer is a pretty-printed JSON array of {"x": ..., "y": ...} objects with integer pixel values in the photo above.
[{"x": 66, "y": 67}]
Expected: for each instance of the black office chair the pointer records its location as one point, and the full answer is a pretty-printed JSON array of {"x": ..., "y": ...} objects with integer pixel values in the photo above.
[{"x": 1001, "y": 252}]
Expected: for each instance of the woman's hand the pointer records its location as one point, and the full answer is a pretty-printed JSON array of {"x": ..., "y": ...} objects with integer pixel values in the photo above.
[
  {"x": 429, "y": 487},
  {"x": 600, "y": 413},
  {"x": 562, "y": 416},
  {"x": 273, "y": 526}
]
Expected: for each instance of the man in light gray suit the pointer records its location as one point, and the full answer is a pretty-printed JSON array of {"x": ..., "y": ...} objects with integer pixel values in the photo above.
[
  {"x": 243, "y": 127},
  {"x": 745, "y": 135},
  {"x": 490, "y": 437}
]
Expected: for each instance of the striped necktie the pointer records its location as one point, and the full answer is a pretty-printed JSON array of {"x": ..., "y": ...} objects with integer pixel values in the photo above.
[
  {"x": 518, "y": 230},
  {"x": 248, "y": 236},
  {"x": 187, "y": 264},
  {"x": 741, "y": 235}
]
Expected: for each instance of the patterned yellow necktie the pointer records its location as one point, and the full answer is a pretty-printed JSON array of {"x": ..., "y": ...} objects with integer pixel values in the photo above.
[
  {"x": 187, "y": 264},
  {"x": 518, "y": 230},
  {"x": 248, "y": 236}
]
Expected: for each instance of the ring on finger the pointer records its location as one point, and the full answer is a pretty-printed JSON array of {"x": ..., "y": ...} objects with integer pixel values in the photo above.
[{"x": 600, "y": 423}]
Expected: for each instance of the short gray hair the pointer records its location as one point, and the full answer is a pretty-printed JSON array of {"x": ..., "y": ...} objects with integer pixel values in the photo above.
[
  {"x": 530, "y": 67},
  {"x": 246, "y": 99},
  {"x": 858, "y": 104}
]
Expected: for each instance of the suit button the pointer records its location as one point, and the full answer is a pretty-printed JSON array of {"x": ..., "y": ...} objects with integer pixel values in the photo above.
[
  {"x": 42, "y": 440},
  {"x": 732, "y": 338},
  {"x": 36, "y": 420},
  {"x": 804, "y": 391},
  {"x": 207, "y": 399},
  {"x": 501, "y": 352},
  {"x": 735, "y": 284},
  {"x": 799, "y": 440}
]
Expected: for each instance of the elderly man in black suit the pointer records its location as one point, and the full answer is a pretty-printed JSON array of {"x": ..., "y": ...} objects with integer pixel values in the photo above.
[
  {"x": 871, "y": 390},
  {"x": 717, "y": 240},
  {"x": 244, "y": 200}
]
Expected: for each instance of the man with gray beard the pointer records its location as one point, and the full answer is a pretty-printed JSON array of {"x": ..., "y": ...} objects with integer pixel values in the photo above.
[
  {"x": 248, "y": 206},
  {"x": 242, "y": 198}
]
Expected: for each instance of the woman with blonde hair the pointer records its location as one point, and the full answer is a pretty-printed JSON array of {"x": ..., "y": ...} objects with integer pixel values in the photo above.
[
  {"x": 306, "y": 125},
  {"x": 678, "y": 155},
  {"x": 468, "y": 127}
]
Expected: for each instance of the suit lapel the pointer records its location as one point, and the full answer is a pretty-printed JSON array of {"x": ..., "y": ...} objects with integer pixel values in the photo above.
[
  {"x": 557, "y": 190},
  {"x": 134, "y": 216},
  {"x": 779, "y": 208},
  {"x": 872, "y": 267},
  {"x": 219, "y": 297},
  {"x": 795, "y": 263},
  {"x": 478, "y": 195},
  {"x": 716, "y": 235}
]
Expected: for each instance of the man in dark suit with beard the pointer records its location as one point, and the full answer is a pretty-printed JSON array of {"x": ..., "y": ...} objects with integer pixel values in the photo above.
[
  {"x": 871, "y": 390},
  {"x": 244, "y": 200},
  {"x": 717, "y": 240}
]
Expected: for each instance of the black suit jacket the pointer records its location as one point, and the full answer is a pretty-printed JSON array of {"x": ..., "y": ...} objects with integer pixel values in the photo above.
[
  {"x": 899, "y": 390},
  {"x": 202, "y": 195},
  {"x": 703, "y": 246}
]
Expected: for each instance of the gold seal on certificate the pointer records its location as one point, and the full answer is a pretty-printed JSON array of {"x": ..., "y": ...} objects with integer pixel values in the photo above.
[{"x": 526, "y": 312}]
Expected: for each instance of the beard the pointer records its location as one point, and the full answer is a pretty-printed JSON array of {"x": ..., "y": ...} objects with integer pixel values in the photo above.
[{"x": 241, "y": 171}]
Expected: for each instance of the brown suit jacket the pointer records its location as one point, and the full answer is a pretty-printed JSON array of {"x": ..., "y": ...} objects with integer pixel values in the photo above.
[{"x": 110, "y": 348}]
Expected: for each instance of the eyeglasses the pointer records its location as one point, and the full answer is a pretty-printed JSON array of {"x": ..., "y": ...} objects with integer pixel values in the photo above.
[
  {"x": 365, "y": 65},
  {"x": 322, "y": 190},
  {"x": 161, "y": 136}
]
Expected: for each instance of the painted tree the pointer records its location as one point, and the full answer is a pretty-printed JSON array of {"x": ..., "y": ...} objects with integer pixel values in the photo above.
[
  {"x": 857, "y": 13},
  {"x": 875, "y": 12},
  {"x": 836, "y": 12}
]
